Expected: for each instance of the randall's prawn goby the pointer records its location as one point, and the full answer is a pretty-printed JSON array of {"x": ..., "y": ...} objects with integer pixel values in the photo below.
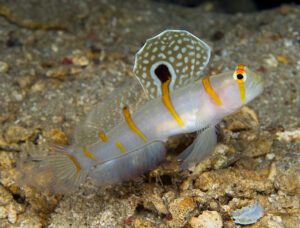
[{"x": 125, "y": 136}]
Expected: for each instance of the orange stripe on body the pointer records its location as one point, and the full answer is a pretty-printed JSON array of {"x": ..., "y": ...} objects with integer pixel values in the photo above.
[
  {"x": 132, "y": 125},
  {"x": 75, "y": 162},
  {"x": 121, "y": 147},
  {"x": 210, "y": 91},
  {"x": 168, "y": 103},
  {"x": 103, "y": 136},
  {"x": 90, "y": 155}
]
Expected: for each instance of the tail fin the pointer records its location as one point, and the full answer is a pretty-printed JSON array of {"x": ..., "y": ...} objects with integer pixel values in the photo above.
[
  {"x": 57, "y": 172},
  {"x": 129, "y": 165}
]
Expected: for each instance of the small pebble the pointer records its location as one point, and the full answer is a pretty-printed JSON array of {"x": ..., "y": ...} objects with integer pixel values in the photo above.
[
  {"x": 12, "y": 215},
  {"x": 58, "y": 73},
  {"x": 18, "y": 96},
  {"x": 270, "y": 156},
  {"x": 39, "y": 86},
  {"x": 4, "y": 67},
  {"x": 271, "y": 61},
  {"x": 289, "y": 136},
  {"x": 54, "y": 48},
  {"x": 25, "y": 81},
  {"x": 80, "y": 61},
  {"x": 58, "y": 119},
  {"x": 75, "y": 70},
  {"x": 3, "y": 212},
  {"x": 282, "y": 59}
]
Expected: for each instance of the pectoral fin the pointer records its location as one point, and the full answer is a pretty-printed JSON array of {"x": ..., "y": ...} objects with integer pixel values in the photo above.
[{"x": 200, "y": 148}]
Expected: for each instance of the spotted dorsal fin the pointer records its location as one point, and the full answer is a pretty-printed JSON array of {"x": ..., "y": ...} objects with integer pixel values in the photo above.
[{"x": 173, "y": 54}]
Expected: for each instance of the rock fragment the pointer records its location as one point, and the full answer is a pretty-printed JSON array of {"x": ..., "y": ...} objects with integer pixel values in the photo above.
[
  {"x": 238, "y": 182},
  {"x": 255, "y": 145},
  {"x": 16, "y": 134},
  {"x": 287, "y": 176},
  {"x": 245, "y": 119},
  {"x": 5, "y": 196},
  {"x": 154, "y": 200},
  {"x": 208, "y": 219},
  {"x": 143, "y": 223},
  {"x": 180, "y": 210},
  {"x": 270, "y": 221}
]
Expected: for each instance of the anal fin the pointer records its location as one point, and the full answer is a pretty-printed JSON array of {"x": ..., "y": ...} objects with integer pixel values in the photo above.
[
  {"x": 129, "y": 165},
  {"x": 200, "y": 148}
]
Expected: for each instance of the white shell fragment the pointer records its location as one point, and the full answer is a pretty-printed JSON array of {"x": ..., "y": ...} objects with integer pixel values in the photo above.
[{"x": 248, "y": 215}]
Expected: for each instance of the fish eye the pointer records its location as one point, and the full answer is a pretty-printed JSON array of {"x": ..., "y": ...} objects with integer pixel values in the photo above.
[{"x": 240, "y": 77}]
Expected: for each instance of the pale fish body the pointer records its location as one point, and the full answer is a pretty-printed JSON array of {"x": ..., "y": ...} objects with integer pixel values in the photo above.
[{"x": 124, "y": 136}]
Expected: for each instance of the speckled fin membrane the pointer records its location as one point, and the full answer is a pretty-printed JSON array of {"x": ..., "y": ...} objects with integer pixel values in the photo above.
[
  {"x": 108, "y": 113},
  {"x": 177, "y": 53}
]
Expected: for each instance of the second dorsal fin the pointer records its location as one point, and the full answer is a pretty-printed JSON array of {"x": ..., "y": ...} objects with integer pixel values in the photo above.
[{"x": 174, "y": 55}]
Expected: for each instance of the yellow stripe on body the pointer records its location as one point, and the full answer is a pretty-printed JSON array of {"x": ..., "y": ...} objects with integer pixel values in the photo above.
[
  {"x": 103, "y": 136},
  {"x": 75, "y": 162},
  {"x": 168, "y": 103},
  {"x": 210, "y": 91},
  {"x": 242, "y": 90},
  {"x": 132, "y": 125},
  {"x": 90, "y": 155},
  {"x": 121, "y": 147}
]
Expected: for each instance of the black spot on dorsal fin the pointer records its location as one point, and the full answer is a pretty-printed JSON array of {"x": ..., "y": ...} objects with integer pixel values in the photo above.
[{"x": 162, "y": 72}]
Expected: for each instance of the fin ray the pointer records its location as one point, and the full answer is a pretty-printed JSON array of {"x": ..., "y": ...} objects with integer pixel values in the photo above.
[{"x": 54, "y": 172}]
